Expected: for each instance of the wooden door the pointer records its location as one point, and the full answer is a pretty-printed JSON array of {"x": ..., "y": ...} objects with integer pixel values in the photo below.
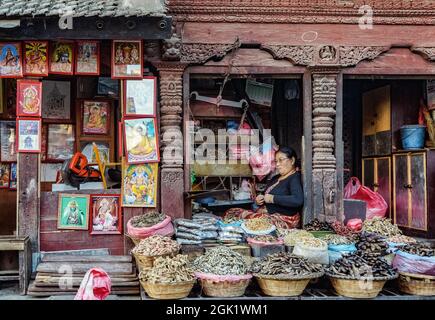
[
  {"x": 400, "y": 190},
  {"x": 417, "y": 188},
  {"x": 368, "y": 172}
]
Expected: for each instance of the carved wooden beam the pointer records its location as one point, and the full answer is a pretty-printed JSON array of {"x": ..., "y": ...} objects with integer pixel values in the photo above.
[
  {"x": 427, "y": 52},
  {"x": 199, "y": 53}
]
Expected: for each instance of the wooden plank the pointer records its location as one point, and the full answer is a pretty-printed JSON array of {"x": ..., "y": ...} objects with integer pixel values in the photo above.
[
  {"x": 8, "y": 272},
  {"x": 11, "y": 246},
  {"x": 98, "y": 252},
  {"x": 116, "y": 275},
  {"x": 9, "y": 278},
  {"x": 83, "y": 267},
  {"x": 76, "y": 283},
  {"x": 83, "y": 258},
  {"x": 339, "y": 148},
  {"x": 307, "y": 158},
  {"x": 44, "y": 280}
]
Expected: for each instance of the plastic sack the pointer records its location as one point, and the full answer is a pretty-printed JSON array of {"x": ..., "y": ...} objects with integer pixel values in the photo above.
[
  {"x": 164, "y": 228},
  {"x": 334, "y": 256},
  {"x": 96, "y": 285},
  {"x": 220, "y": 278},
  {"x": 314, "y": 255},
  {"x": 262, "y": 163},
  {"x": 264, "y": 243},
  {"x": 342, "y": 247},
  {"x": 376, "y": 204},
  {"x": 354, "y": 224},
  {"x": 411, "y": 263}
]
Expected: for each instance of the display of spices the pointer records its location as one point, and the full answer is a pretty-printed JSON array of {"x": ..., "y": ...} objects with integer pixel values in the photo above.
[
  {"x": 381, "y": 226},
  {"x": 285, "y": 264},
  {"x": 169, "y": 270},
  {"x": 317, "y": 225},
  {"x": 258, "y": 224},
  {"x": 265, "y": 238},
  {"x": 372, "y": 243},
  {"x": 419, "y": 249},
  {"x": 313, "y": 242},
  {"x": 336, "y": 239},
  {"x": 156, "y": 245},
  {"x": 295, "y": 235},
  {"x": 358, "y": 265},
  {"x": 221, "y": 261},
  {"x": 401, "y": 239},
  {"x": 147, "y": 220}
]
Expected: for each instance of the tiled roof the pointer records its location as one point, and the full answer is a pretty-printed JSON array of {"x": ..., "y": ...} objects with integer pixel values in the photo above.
[{"x": 82, "y": 8}]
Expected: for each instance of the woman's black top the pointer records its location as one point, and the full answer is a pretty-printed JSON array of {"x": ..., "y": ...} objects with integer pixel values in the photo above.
[{"x": 288, "y": 196}]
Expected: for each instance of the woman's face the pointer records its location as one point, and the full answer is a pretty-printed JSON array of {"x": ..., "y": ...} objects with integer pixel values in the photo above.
[{"x": 283, "y": 164}]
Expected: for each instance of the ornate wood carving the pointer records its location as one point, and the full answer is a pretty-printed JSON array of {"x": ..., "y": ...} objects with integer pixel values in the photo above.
[
  {"x": 199, "y": 53},
  {"x": 351, "y": 56},
  {"x": 428, "y": 52},
  {"x": 300, "y": 55}
]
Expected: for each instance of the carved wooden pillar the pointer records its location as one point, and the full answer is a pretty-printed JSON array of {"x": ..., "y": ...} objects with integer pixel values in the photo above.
[
  {"x": 324, "y": 99},
  {"x": 171, "y": 108}
]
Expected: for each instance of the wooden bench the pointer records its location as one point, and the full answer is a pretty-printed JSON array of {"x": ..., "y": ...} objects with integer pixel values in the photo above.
[{"x": 22, "y": 245}]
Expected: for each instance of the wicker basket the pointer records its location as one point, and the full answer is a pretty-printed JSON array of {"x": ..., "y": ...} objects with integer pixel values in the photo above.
[
  {"x": 355, "y": 288},
  {"x": 225, "y": 289},
  {"x": 417, "y": 284},
  {"x": 146, "y": 262},
  {"x": 178, "y": 290},
  {"x": 284, "y": 287},
  {"x": 133, "y": 239}
]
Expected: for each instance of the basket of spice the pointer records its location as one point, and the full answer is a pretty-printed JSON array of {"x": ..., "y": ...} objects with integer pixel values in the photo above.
[
  {"x": 360, "y": 275},
  {"x": 153, "y": 247},
  {"x": 169, "y": 278},
  {"x": 258, "y": 227},
  {"x": 284, "y": 274},
  {"x": 145, "y": 225},
  {"x": 222, "y": 272},
  {"x": 264, "y": 245}
]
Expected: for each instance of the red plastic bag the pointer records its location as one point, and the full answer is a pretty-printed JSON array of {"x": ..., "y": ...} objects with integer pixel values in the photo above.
[
  {"x": 376, "y": 204},
  {"x": 354, "y": 224},
  {"x": 96, "y": 285}
]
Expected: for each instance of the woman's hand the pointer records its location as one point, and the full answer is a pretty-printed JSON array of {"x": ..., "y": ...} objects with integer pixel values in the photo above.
[
  {"x": 259, "y": 200},
  {"x": 268, "y": 198}
]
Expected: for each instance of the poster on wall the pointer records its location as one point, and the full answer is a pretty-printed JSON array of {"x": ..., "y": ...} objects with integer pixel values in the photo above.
[
  {"x": 140, "y": 137},
  {"x": 56, "y": 100},
  {"x": 49, "y": 171},
  {"x": 61, "y": 58},
  {"x": 139, "y": 185},
  {"x": 87, "y": 58},
  {"x": 36, "y": 58},
  {"x": 29, "y": 135},
  {"x": 96, "y": 117},
  {"x": 106, "y": 214},
  {"x": 11, "y": 65},
  {"x": 431, "y": 94},
  {"x": 60, "y": 142},
  {"x": 103, "y": 150},
  {"x": 7, "y": 141},
  {"x": 140, "y": 97},
  {"x": 13, "y": 179},
  {"x": 127, "y": 59},
  {"x": 29, "y": 97},
  {"x": 5, "y": 175},
  {"x": 73, "y": 211}
]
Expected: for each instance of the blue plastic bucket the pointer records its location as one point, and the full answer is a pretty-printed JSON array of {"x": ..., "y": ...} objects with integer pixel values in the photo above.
[{"x": 413, "y": 136}]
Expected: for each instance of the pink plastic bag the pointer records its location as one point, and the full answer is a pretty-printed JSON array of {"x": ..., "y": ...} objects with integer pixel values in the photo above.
[
  {"x": 411, "y": 263},
  {"x": 220, "y": 278},
  {"x": 376, "y": 204},
  {"x": 164, "y": 228},
  {"x": 96, "y": 285},
  {"x": 354, "y": 224}
]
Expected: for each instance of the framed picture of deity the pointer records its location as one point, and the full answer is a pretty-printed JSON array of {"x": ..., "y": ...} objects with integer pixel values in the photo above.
[
  {"x": 73, "y": 211},
  {"x": 95, "y": 117},
  {"x": 127, "y": 59},
  {"x": 13, "y": 179},
  {"x": 11, "y": 65},
  {"x": 29, "y": 135},
  {"x": 8, "y": 141},
  {"x": 105, "y": 214},
  {"x": 141, "y": 140},
  {"x": 104, "y": 151},
  {"x": 140, "y": 97},
  {"x": 56, "y": 100},
  {"x": 5, "y": 175},
  {"x": 36, "y": 58},
  {"x": 61, "y": 59},
  {"x": 87, "y": 58},
  {"x": 139, "y": 184},
  {"x": 60, "y": 142},
  {"x": 29, "y": 98}
]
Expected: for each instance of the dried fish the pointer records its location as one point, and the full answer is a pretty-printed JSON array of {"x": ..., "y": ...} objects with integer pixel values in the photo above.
[
  {"x": 221, "y": 261},
  {"x": 156, "y": 245},
  {"x": 317, "y": 225},
  {"x": 266, "y": 238},
  {"x": 258, "y": 224},
  {"x": 169, "y": 270},
  {"x": 148, "y": 219},
  {"x": 336, "y": 239},
  {"x": 342, "y": 230},
  {"x": 294, "y": 235},
  {"x": 401, "y": 239},
  {"x": 381, "y": 226},
  {"x": 313, "y": 242},
  {"x": 372, "y": 243},
  {"x": 419, "y": 249}
]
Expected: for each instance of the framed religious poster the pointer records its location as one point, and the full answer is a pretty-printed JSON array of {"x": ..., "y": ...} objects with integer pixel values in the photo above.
[
  {"x": 56, "y": 100},
  {"x": 61, "y": 59},
  {"x": 29, "y": 135},
  {"x": 141, "y": 140},
  {"x": 29, "y": 98},
  {"x": 7, "y": 141},
  {"x": 139, "y": 185},
  {"x": 105, "y": 214},
  {"x": 13, "y": 179},
  {"x": 5, "y": 175},
  {"x": 87, "y": 58},
  {"x": 95, "y": 117},
  {"x": 60, "y": 142},
  {"x": 73, "y": 211},
  {"x": 140, "y": 97},
  {"x": 36, "y": 58},
  {"x": 127, "y": 59},
  {"x": 11, "y": 65},
  {"x": 103, "y": 151}
]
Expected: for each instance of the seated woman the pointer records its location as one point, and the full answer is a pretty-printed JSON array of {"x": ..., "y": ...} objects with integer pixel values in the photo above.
[{"x": 284, "y": 194}]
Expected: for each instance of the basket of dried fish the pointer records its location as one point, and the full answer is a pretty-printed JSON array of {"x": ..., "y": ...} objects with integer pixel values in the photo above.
[
  {"x": 148, "y": 224},
  {"x": 153, "y": 247},
  {"x": 360, "y": 275},
  {"x": 417, "y": 284},
  {"x": 284, "y": 274},
  {"x": 222, "y": 272},
  {"x": 169, "y": 278},
  {"x": 258, "y": 226}
]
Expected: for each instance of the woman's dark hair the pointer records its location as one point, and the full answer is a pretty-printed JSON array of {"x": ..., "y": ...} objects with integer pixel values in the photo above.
[{"x": 290, "y": 153}]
